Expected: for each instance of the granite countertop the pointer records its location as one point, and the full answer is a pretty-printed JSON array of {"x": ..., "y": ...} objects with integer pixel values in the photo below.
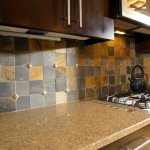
[{"x": 84, "y": 125}]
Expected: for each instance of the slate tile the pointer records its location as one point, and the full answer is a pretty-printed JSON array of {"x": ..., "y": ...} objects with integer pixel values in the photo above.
[
  {"x": 23, "y": 102},
  {"x": 61, "y": 97},
  {"x": 81, "y": 94},
  {"x": 111, "y": 90},
  {"x": 49, "y": 58},
  {"x": 50, "y": 99},
  {"x": 123, "y": 78},
  {"x": 110, "y": 51},
  {"x": 60, "y": 85},
  {"x": 89, "y": 93},
  {"x": 97, "y": 93},
  {"x": 72, "y": 96},
  {"x": 49, "y": 85},
  {"x": 36, "y": 58},
  {"x": 36, "y": 100},
  {"x": 81, "y": 83},
  {"x": 49, "y": 73},
  {"x": 111, "y": 80},
  {"x": 21, "y": 74},
  {"x": 104, "y": 91},
  {"x": 89, "y": 71},
  {"x": 22, "y": 88},
  {"x": 97, "y": 71},
  {"x": 71, "y": 59},
  {"x": 36, "y": 87},
  {"x": 21, "y": 58}
]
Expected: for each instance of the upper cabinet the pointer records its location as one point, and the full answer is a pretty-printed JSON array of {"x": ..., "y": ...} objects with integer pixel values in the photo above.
[{"x": 74, "y": 17}]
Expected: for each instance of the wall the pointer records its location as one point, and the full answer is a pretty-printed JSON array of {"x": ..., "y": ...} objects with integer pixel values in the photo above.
[{"x": 68, "y": 71}]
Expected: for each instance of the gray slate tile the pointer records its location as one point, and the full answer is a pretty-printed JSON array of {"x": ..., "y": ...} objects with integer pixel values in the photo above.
[{"x": 23, "y": 102}]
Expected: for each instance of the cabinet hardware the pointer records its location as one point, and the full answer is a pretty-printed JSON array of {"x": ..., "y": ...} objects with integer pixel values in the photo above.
[
  {"x": 68, "y": 17},
  {"x": 80, "y": 13}
]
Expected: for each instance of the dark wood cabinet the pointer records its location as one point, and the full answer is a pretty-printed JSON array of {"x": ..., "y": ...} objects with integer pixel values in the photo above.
[{"x": 76, "y": 17}]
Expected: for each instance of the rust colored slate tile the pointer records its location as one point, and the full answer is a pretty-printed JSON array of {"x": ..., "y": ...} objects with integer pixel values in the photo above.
[{"x": 36, "y": 73}]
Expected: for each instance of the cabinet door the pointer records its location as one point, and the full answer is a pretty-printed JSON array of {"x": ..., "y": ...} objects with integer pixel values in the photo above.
[
  {"x": 48, "y": 15},
  {"x": 90, "y": 19}
]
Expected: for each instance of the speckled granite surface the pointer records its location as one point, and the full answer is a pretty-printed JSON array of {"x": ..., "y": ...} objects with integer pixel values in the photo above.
[{"x": 73, "y": 126}]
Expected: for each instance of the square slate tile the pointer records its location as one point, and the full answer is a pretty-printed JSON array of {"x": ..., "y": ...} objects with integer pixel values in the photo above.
[
  {"x": 110, "y": 51},
  {"x": 61, "y": 72},
  {"x": 21, "y": 58},
  {"x": 81, "y": 71},
  {"x": 36, "y": 100},
  {"x": 7, "y": 89},
  {"x": 7, "y": 59},
  {"x": 72, "y": 83},
  {"x": 22, "y": 88},
  {"x": 60, "y": 59},
  {"x": 111, "y": 90},
  {"x": 21, "y": 44},
  {"x": 60, "y": 85},
  {"x": 49, "y": 85},
  {"x": 72, "y": 96},
  {"x": 111, "y": 80},
  {"x": 89, "y": 71},
  {"x": 118, "y": 88},
  {"x": 36, "y": 58},
  {"x": 36, "y": 73},
  {"x": 97, "y": 93},
  {"x": 89, "y": 93},
  {"x": 123, "y": 78},
  {"x": 81, "y": 83},
  {"x": 6, "y": 43},
  {"x": 104, "y": 91},
  {"x": 49, "y": 57},
  {"x": 36, "y": 87},
  {"x": 23, "y": 102},
  {"x": 21, "y": 74},
  {"x": 49, "y": 73},
  {"x": 61, "y": 97},
  {"x": 81, "y": 94},
  {"x": 97, "y": 71},
  {"x": 7, "y": 105},
  {"x": 71, "y": 59},
  {"x": 71, "y": 72},
  {"x": 50, "y": 99}
]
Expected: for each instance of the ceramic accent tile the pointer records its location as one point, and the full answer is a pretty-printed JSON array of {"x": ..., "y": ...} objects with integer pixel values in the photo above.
[
  {"x": 61, "y": 97},
  {"x": 6, "y": 43},
  {"x": 61, "y": 72},
  {"x": 22, "y": 88},
  {"x": 71, "y": 59},
  {"x": 35, "y": 44},
  {"x": 7, "y": 74},
  {"x": 72, "y": 96},
  {"x": 90, "y": 82},
  {"x": 89, "y": 71},
  {"x": 36, "y": 87},
  {"x": 7, "y": 89},
  {"x": 49, "y": 58},
  {"x": 60, "y": 85},
  {"x": 7, "y": 104},
  {"x": 72, "y": 83},
  {"x": 60, "y": 59},
  {"x": 21, "y": 44},
  {"x": 36, "y": 58},
  {"x": 48, "y": 45},
  {"x": 36, "y": 73},
  {"x": 49, "y": 85},
  {"x": 80, "y": 83},
  {"x": 21, "y": 58},
  {"x": 49, "y": 73},
  {"x": 81, "y": 94},
  {"x": 7, "y": 59},
  {"x": 23, "y": 102},
  {"x": 36, "y": 100},
  {"x": 89, "y": 93},
  {"x": 50, "y": 99},
  {"x": 21, "y": 74},
  {"x": 71, "y": 72}
]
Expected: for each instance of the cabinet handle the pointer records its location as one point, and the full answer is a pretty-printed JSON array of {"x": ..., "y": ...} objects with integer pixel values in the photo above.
[
  {"x": 68, "y": 12},
  {"x": 80, "y": 13}
]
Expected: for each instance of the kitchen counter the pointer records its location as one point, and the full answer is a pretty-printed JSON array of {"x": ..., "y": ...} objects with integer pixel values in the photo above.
[{"x": 84, "y": 125}]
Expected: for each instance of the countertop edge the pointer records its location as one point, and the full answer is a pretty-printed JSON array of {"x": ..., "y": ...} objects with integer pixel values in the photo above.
[{"x": 116, "y": 136}]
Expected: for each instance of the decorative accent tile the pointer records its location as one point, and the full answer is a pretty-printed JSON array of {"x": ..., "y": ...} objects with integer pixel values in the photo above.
[
  {"x": 50, "y": 99},
  {"x": 22, "y": 88},
  {"x": 60, "y": 59},
  {"x": 6, "y": 43},
  {"x": 49, "y": 85},
  {"x": 71, "y": 59},
  {"x": 21, "y": 58},
  {"x": 60, "y": 85},
  {"x": 23, "y": 102},
  {"x": 36, "y": 73},
  {"x": 61, "y": 97},
  {"x": 36, "y": 87},
  {"x": 21, "y": 44},
  {"x": 35, "y": 44},
  {"x": 21, "y": 74},
  {"x": 72, "y": 83},
  {"x": 7, "y": 59},
  {"x": 36, "y": 100},
  {"x": 49, "y": 58},
  {"x": 80, "y": 83},
  {"x": 7, "y": 104},
  {"x": 36, "y": 58},
  {"x": 117, "y": 51},
  {"x": 61, "y": 72},
  {"x": 49, "y": 73},
  {"x": 90, "y": 82},
  {"x": 72, "y": 96},
  {"x": 7, "y": 89},
  {"x": 117, "y": 79},
  {"x": 71, "y": 72},
  {"x": 7, "y": 74}
]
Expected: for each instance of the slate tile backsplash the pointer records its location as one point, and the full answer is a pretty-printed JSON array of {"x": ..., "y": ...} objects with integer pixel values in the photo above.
[{"x": 36, "y": 73}]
